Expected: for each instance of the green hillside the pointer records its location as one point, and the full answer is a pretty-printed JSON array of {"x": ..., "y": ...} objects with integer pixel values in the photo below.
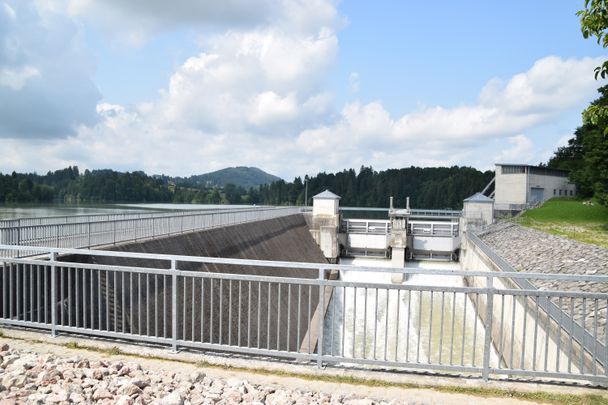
[
  {"x": 245, "y": 177},
  {"x": 585, "y": 221}
]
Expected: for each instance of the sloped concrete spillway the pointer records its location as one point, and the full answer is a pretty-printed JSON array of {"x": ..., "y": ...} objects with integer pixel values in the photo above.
[{"x": 232, "y": 312}]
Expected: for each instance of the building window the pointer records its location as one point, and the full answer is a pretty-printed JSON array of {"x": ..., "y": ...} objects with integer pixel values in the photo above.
[
  {"x": 560, "y": 192},
  {"x": 554, "y": 191},
  {"x": 545, "y": 171},
  {"x": 571, "y": 193},
  {"x": 513, "y": 169}
]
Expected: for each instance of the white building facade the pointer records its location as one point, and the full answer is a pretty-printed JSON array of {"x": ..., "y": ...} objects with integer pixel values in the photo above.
[{"x": 521, "y": 186}]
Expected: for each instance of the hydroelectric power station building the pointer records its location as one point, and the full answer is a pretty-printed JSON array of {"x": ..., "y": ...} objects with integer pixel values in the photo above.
[{"x": 520, "y": 186}]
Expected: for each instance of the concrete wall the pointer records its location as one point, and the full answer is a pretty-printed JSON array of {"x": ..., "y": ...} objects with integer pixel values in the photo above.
[
  {"x": 549, "y": 184},
  {"x": 510, "y": 188},
  {"x": 516, "y": 340},
  {"x": 282, "y": 239},
  {"x": 479, "y": 213},
  {"x": 325, "y": 206}
]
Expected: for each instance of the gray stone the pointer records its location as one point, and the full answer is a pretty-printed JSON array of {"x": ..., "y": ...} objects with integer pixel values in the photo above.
[
  {"x": 102, "y": 393},
  {"x": 130, "y": 390},
  {"x": 173, "y": 398}
]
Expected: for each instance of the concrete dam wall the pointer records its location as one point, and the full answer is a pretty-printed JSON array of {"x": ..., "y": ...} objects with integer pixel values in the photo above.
[{"x": 210, "y": 309}]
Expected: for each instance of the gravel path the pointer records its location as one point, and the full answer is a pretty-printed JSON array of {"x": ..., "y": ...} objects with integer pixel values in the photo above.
[
  {"x": 530, "y": 250},
  {"x": 31, "y": 378}
]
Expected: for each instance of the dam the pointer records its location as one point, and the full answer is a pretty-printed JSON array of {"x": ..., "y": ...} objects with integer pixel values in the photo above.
[{"x": 419, "y": 291}]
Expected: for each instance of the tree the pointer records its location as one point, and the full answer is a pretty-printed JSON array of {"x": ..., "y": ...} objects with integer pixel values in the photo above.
[
  {"x": 594, "y": 23},
  {"x": 586, "y": 156}
]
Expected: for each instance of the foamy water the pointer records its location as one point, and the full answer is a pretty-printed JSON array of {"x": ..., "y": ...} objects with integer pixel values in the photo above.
[{"x": 403, "y": 326}]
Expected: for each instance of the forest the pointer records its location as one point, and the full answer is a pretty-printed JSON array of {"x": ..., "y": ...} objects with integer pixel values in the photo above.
[
  {"x": 433, "y": 187},
  {"x": 586, "y": 155}
]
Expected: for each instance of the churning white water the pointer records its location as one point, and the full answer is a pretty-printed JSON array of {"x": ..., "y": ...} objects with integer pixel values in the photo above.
[{"x": 416, "y": 326}]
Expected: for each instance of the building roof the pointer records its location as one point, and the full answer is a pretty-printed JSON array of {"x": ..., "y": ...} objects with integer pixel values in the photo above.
[
  {"x": 327, "y": 195},
  {"x": 536, "y": 167},
  {"x": 479, "y": 198}
]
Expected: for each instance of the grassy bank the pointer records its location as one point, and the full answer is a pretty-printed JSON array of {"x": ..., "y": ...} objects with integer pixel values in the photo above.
[{"x": 570, "y": 218}]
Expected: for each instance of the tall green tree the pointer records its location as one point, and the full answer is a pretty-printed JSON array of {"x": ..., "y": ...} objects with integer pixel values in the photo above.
[
  {"x": 586, "y": 156},
  {"x": 594, "y": 23}
]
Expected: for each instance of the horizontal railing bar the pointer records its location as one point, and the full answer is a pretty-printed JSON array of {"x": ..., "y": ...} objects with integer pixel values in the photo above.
[
  {"x": 185, "y": 214},
  {"x": 308, "y": 281},
  {"x": 307, "y": 265},
  {"x": 426, "y": 366}
]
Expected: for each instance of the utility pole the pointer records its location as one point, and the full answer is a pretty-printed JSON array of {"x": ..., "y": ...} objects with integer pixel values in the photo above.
[{"x": 306, "y": 191}]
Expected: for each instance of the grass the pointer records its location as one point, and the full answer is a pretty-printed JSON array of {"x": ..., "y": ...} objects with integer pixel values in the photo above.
[
  {"x": 570, "y": 218},
  {"x": 545, "y": 397}
]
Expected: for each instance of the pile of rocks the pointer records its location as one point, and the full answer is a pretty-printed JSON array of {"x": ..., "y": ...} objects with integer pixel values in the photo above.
[{"x": 27, "y": 377}]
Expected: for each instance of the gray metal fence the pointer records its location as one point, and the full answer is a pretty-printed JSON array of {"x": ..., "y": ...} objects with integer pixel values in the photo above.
[
  {"x": 299, "y": 311},
  {"x": 103, "y": 231}
]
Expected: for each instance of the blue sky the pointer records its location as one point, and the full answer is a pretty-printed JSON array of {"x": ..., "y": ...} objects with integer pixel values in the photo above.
[{"x": 290, "y": 86}]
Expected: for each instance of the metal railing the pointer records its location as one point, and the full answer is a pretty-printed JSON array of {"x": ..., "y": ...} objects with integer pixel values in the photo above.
[
  {"x": 430, "y": 228},
  {"x": 573, "y": 311},
  {"x": 87, "y": 234},
  {"x": 133, "y": 214},
  {"x": 248, "y": 308},
  {"x": 363, "y": 226},
  {"x": 421, "y": 213}
]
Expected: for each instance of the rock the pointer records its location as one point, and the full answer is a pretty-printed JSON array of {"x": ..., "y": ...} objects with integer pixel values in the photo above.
[
  {"x": 124, "y": 400},
  {"x": 8, "y": 360},
  {"x": 197, "y": 377},
  {"x": 5, "y": 347},
  {"x": 130, "y": 390},
  {"x": 13, "y": 380},
  {"x": 232, "y": 395},
  {"x": 173, "y": 398},
  {"x": 77, "y": 398},
  {"x": 101, "y": 393},
  {"x": 124, "y": 371},
  {"x": 141, "y": 382},
  {"x": 279, "y": 397},
  {"x": 98, "y": 374},
  {"x": 57, "y": 398},
  {"x": 83, "y": 364},
  {"x": 360, "y": 401}
]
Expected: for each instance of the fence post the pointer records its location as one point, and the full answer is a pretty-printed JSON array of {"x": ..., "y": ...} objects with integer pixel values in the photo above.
[
  {"x": 174, "y": 307},
  {"x": 487, "y": 344},
  {"x": 53, "y": 257},
  {"x": 89, "y": 233},
  {"x": 321, "y": 317}
]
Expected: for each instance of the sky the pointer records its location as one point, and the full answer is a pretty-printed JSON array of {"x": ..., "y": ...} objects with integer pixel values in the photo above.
[{"x": 293, "y": 87}]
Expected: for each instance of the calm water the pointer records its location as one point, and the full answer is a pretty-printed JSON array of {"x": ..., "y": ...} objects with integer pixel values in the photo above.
[{"x": 48, "y": 210}]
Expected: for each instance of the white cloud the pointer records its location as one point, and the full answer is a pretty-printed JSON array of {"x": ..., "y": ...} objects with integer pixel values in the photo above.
[
  {"x": 251, "y": 81},
  {"x": 520, "y": 151},
  {"x": 46, "y": 88},
  {"x": 15, "y": 79},
  {"x": 254, "y": 95}
]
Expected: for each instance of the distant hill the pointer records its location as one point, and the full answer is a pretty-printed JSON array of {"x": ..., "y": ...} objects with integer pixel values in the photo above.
[{"x": 245, "y": 177}]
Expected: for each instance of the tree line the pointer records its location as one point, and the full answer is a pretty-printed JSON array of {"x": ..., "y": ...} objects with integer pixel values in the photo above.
[
  {"x": 434, "y": 187},
  {"x": 586, "y": 155}
]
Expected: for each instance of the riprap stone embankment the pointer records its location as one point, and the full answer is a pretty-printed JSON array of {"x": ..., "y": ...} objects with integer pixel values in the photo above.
[{"x": 534, "y": 251}]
